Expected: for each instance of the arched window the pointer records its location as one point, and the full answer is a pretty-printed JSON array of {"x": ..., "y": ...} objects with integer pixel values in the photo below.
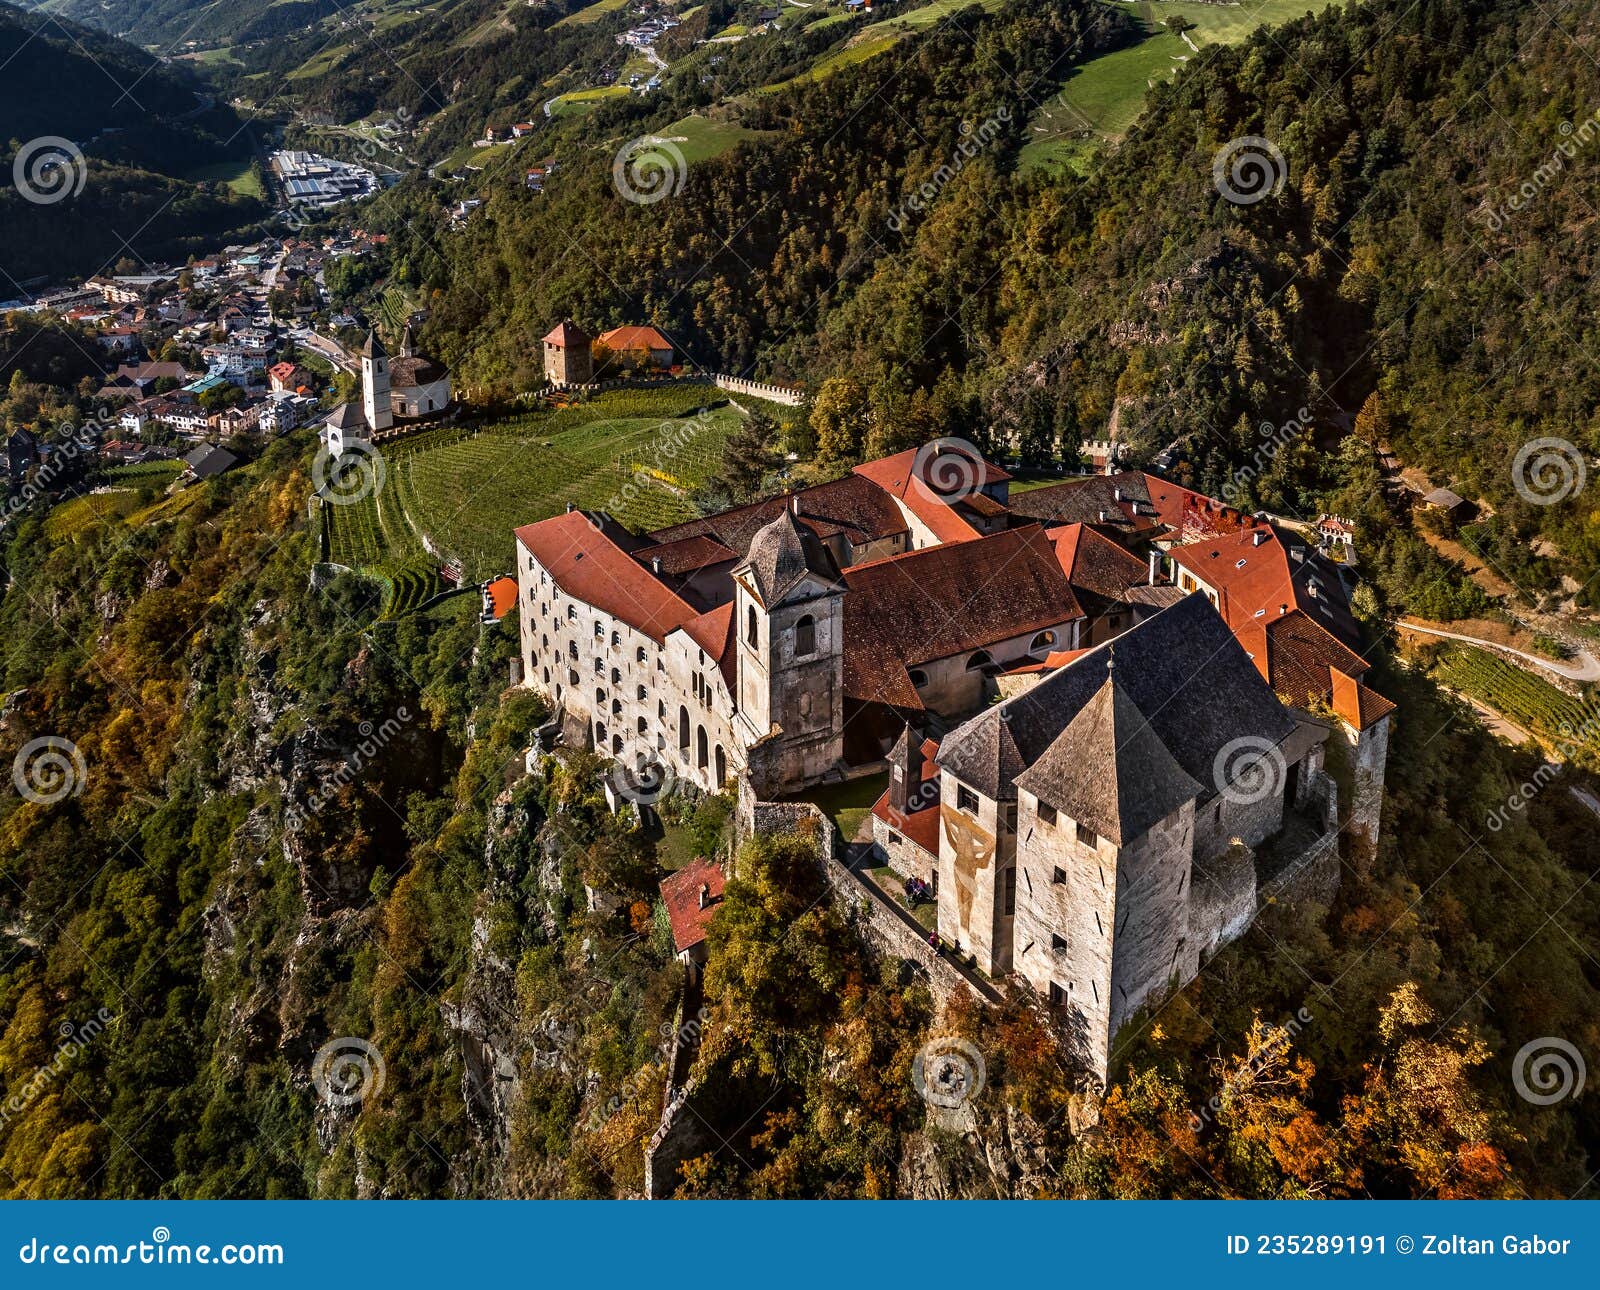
[
  {"x": 599, "y": 694},
  {"x": 616, "y": 707},
  {"x": 722, "y": 767},
  {"x": 702, "y": 748},
  {"x": 572, "y": 613},
  {"x": 616, "y": 744},
  {"x": 805, "y": 636},
  {"x": 638, "y": 655},
  {"x": 683, "y": 730},
  {"x": 642, "y": 694},
  {"x": 547, "y": 676},
  {"x": 599, "y": 734},
  {"x": 751, "y": 635},
  {"x": 1042, "y": 641},
  {"x": 644, "y": 726},
  {"x": 919, "y": 678},
  {"x": 980, "y": 659}
]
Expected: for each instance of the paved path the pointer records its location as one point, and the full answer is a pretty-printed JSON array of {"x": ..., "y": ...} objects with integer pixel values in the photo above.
[{"x": 1587, "y": 668}]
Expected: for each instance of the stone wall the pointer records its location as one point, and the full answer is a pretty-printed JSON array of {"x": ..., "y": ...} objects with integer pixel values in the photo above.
[{"x": 784, "y": 394}]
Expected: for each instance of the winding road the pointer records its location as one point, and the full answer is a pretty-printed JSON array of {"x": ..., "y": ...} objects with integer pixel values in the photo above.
[{"x": 1587, "y": 668}]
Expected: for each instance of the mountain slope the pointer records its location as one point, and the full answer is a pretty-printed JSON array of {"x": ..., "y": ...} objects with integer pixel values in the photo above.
[{"x": 141, "y": 128}]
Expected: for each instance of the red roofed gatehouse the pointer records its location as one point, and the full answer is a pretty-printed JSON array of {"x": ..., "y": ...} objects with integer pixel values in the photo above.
[{"x": 692, "y": 897}]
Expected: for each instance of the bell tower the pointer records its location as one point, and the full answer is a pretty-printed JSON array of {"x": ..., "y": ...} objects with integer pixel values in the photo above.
[
  {"x": 789, "y": 620},
  {"x": 375, "y": 404}
]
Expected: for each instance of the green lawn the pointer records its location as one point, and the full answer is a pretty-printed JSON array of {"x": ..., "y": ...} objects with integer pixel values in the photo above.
[
  {"x": 578, "y": 101},
  {"x": 240, "y": 176},
  {"x": 467, "y": 491},
  {"x": 848, "y": 804},
  {"x": 593, "y": 13},
  {"x": 700, "y": 139},
  {"x": 1099, "y": 101}
]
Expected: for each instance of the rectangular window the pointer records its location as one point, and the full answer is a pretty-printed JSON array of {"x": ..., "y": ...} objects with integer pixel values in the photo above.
[
  {"x": 1059, "y": 998},
  {"x": 966, "y": 799},
  {"x": 1058, "y": 876},
  {"x": 1011, "y": 890},
  {"x": 1086, "y": 836},
  {"x": 1057, "y": 942},
  {"x": 1047, "y": 813}
]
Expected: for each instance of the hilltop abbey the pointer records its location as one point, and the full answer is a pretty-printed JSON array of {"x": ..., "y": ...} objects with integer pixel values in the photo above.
[{"x": 1109, "y": 708}]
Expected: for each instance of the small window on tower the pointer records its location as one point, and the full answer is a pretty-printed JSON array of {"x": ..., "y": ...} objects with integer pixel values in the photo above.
[
  {"x": 966, "y": 799},
  {"x": 1047, "y": 813},
  {"x": 805, "y": 636},
  {"x": 1087, "y": 836},
  {"x": 1058, "y": 876}
]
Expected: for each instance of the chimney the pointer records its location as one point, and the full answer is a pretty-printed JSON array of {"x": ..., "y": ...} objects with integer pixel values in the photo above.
[
  {"x": 655, "y": 565},
  {"x": 705, "y": 895},
  {"x": 1155, "y": 566},
  {"x": 1102, "y": 517},
  {"x": 571, "y": 506},
  {"x": 905, "y": 770},
  {"x": 1117, "y": 494},
  {"x": 1258, "y": 537},
  {"x": 794, "y": 503}
]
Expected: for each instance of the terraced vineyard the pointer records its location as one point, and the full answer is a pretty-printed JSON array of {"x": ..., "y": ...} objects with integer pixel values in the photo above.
[
  {"x": 637, "y": 454},
  {"x": 1561, "y": 721}
]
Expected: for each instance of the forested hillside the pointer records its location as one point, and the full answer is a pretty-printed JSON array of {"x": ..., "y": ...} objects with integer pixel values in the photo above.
[
  {"x": 140, "y": 128},
  {"x": 1047, "y": 307},
  {"x": 277, "y": 830}
]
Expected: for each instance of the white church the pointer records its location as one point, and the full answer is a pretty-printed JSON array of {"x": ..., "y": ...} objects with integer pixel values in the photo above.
[{"x": 393, "y": 392}]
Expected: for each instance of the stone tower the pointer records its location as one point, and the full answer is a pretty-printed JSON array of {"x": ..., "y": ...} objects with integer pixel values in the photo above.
[
  {"x": 789, "y": 616},
  {"x": 568, "y": 355},
  {"x": 375, "y": 402}
]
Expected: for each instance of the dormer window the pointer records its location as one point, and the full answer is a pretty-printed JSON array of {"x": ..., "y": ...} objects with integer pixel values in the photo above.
[
  {"x": 919, "y": 678},
  {"x": 805, "y": 636},
  {"x": 1042, "y": 641},
  {"x": 979, "y": 660}
]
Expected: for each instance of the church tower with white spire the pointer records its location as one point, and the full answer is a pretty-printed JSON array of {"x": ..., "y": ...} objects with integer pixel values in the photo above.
[{"x": 376, "y": 405}]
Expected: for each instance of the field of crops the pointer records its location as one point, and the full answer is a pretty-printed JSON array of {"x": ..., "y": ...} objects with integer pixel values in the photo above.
[
  {"x": 1560, "y": 720},
  {"x": 637, "y": 454},
  {"x": 72, "y": 519}
]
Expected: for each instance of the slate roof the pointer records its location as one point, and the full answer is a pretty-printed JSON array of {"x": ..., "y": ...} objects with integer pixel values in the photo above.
[
  {"x": 783, "y": 554},
  {"x": 207, "y": 461},
  {"x": 687, "y": 555},
  {"x": 1182, "y": 669},
  {"x": 1109, "y": 769},
  {"x": 414, "y": 370},
  {"x": 348, "y": 416},
  {"x": 853, "y": 507},
  {"x": 945, "y": 600},
  {"x": 374, "y": 347}
]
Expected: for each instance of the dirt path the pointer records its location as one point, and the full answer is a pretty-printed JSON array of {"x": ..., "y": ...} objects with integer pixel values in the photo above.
[{"x": 1586, "y": 668}]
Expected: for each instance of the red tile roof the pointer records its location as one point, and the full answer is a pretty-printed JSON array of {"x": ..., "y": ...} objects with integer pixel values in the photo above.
[
  {"x": 945, "y": 600},
  {"x": 932, "y": 483},
  {"x": 921, "y": 826},
  {"x": 589, "y": 566},
  {"x": 1095, "y": 563},
  {"x": 687, "y": 555},
  {"x": 713, "y": 632},
  {"x": 681, "y": 892},
  {"x": 566, "y": 334},
  {"x": 1248, "y": 575},
  {"x": 630, "y": 339}
]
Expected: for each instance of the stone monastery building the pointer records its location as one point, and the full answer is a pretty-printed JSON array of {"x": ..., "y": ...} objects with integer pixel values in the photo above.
[{"x": 1114, "y": 710}]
